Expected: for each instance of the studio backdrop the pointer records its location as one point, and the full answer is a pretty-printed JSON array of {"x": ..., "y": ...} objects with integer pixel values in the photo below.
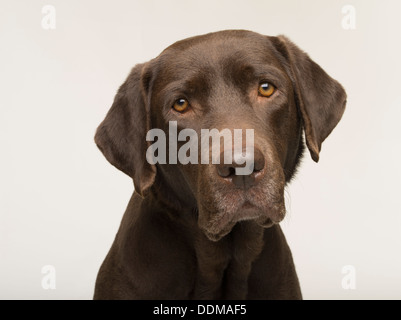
[{"x": 61, "y": 202}]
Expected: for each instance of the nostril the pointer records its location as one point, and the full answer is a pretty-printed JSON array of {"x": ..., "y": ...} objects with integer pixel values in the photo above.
[
  {"x": 257, "y": 167},
  {"x": 225, "y": 171},
  {"x": 259, "y": 161},
  {"x": 255, "y": 162}
]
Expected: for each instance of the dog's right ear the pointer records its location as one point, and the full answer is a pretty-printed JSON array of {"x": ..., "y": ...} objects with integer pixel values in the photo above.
[{"x": 122, "y": 135}]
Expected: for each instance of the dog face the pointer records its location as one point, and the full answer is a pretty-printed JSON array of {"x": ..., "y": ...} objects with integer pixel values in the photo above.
[{"x": 225, "y": 80}]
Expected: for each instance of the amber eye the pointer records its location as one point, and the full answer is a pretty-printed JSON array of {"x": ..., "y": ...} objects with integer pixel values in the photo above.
[
  {"x": 266, "y": 89},
  {"x": 180, "y": 105}
]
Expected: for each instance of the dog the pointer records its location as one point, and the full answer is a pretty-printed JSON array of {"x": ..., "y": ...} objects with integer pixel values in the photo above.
[{"x": 200, "y": 231}]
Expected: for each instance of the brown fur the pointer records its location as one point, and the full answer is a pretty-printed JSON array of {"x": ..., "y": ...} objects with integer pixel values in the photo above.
[{"x": 188, "y": 233}]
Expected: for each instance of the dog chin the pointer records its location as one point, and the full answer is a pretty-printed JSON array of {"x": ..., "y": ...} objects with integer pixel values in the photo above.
[
  {"x": 217, "y": 229},
  {"x": 217, "y": 236}
]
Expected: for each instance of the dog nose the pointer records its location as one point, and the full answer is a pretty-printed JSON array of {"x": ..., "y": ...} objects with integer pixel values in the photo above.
[{"x": 244, "y": 169}]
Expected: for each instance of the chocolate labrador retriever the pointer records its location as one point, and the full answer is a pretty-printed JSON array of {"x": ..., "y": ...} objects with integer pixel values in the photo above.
[{"x": 201, "y": 231}]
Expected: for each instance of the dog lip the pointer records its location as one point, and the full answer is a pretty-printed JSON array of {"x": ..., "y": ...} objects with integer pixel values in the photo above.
[
  {"x": 248, "y": 211},
  {"x": 263, "y": 221},
  {"x": 216, "y": 236},
  {"x": 267, "y": 223}
]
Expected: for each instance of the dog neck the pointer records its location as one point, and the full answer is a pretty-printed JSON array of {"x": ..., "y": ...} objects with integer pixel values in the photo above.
[{"x": 224, "y": 266}]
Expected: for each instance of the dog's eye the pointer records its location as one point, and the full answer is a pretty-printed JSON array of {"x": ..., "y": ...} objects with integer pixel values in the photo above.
[
  {"x": 180, "y": 105},
  {"x": 266, "y": 89}
]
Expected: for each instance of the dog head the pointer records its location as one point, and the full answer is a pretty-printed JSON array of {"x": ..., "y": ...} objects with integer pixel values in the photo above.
[{"x": 224, "y": 81}]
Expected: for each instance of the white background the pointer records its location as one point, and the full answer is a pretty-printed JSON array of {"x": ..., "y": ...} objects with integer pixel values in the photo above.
[{"x": 61, "y": 202}]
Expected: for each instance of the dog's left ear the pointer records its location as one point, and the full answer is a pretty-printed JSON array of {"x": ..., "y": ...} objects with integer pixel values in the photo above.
[
  {"x": 122, "y": 134},
  {"x": 320, "y": 98}
]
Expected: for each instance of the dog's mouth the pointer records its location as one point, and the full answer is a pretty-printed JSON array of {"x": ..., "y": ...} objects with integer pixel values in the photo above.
[{"x": 221, "y": 223}]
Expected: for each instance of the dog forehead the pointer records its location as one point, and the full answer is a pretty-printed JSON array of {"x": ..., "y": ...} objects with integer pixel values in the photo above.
[
  {"x": 228, "y": 38},
  {"x": 204, "y": 54}
]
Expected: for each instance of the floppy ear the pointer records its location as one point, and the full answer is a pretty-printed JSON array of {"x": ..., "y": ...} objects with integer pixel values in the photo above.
[
  {"x": 122, "y": 135},
  {"x": 320, "y": 98}
]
